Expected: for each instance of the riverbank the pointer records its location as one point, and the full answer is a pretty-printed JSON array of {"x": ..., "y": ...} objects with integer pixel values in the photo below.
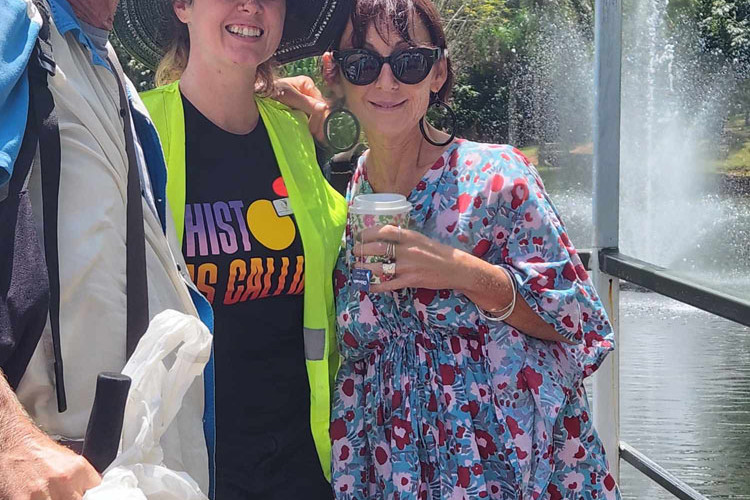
[
  {"x": 736, "y": 144},
  {"x": 730, "y": 175}
]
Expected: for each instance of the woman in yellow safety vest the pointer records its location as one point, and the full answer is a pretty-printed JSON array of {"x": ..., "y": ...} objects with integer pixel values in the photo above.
[{"x": 259, "y": 225}]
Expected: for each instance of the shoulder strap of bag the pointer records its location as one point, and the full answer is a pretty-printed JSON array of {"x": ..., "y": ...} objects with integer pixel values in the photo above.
[
  {"x": 137, "y": 284},
  {"x": 41, "y": 67}
]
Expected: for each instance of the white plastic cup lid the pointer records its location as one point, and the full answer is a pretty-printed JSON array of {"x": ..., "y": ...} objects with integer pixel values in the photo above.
[{"x": 380, "y": 204}]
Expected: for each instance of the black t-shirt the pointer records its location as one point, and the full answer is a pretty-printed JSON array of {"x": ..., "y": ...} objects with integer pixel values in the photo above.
[{"x": 243, "y": 251}]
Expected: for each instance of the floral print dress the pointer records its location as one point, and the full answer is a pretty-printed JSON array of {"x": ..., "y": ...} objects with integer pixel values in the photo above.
[{"x": 434, "y": 402}]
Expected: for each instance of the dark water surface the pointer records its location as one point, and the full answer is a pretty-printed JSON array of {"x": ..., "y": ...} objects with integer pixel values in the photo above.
[{"x": 684, "y": 396}]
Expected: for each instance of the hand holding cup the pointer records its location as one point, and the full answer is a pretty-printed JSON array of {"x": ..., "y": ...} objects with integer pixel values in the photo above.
[
  {"x": 372, "y": 212},
  {"x": 387, "y": 256}
]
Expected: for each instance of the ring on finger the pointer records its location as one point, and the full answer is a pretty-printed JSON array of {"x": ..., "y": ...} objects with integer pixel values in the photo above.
[
  {"x": 389, "y": 269},
  {"x": 390, "y": 251}
]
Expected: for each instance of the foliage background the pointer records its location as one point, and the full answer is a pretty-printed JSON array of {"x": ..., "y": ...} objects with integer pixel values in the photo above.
[{"x": 492, "y": 42}]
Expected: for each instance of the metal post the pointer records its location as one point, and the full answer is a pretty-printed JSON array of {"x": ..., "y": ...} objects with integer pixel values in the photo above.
[{"x": 606, "y": 210}]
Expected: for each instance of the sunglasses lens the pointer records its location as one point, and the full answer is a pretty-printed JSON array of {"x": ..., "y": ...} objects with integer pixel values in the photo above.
[
  {"x": 411, "y": 67},
  {"x": 361, "y": 69}
]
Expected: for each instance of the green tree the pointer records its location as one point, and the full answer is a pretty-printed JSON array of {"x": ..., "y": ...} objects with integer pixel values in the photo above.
[{"x": 725, "y": 28}]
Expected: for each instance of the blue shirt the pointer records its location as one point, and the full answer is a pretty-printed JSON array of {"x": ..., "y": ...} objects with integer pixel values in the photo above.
[{"x": 18, "y": 33}]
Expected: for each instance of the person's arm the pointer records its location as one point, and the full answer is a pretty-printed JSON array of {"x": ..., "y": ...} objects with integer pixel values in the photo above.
[
  {"x": 422, "y": 262},
  {"x": 33, "y": 466}
]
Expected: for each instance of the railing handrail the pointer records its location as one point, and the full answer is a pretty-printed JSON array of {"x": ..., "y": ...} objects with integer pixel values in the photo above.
[
  {"x": 658, "y": 474},
  {"x": 670, "y": 284}
]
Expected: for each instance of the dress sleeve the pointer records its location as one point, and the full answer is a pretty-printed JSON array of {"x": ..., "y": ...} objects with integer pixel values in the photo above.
[
  {"x": 548, "y": 271},
  {"x": 550, "y": 275},
  {"x": 19, "y": 27}
]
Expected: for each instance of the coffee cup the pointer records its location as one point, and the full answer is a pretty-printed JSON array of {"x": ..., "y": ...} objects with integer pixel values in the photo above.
[{"x": 374, "y": 210}]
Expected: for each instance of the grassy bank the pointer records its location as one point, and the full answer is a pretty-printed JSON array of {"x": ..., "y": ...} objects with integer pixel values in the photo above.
[{"x": 737, "y": 162}]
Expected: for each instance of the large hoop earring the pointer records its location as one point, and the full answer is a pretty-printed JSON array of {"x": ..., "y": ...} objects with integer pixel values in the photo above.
[
  {"x": 341, "y": 129},
  {"x": 436, "y": 102}
]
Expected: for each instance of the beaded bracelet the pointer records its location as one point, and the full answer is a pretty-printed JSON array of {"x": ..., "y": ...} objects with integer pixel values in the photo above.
[{"x": 503, "y": 313}]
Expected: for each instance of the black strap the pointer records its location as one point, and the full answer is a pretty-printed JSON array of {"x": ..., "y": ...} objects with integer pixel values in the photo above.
[
  {"x": 42, "y": 66},
  {"x": 137, "y": 285},
  {"x": 340, "y": 168}
]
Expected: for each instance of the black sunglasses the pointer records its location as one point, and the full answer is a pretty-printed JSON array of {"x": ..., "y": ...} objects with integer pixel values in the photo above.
[{"x": 409, "y": 66}]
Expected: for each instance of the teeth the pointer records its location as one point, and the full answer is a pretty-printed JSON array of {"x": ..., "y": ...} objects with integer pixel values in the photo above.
[{"x": 245, "y": 31}]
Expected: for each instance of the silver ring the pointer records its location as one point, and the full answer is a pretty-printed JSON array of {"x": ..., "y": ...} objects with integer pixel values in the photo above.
[
  {"x": 390, "y": 251},
  {"x": 389, "y": 269}
]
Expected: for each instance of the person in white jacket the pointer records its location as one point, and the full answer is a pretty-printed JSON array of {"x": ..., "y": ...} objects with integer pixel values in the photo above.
[{"x": 92, "y": 235}]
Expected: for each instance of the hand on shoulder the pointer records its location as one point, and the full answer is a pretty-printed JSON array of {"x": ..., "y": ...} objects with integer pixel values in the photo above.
[{"x": 300, "y": 92}]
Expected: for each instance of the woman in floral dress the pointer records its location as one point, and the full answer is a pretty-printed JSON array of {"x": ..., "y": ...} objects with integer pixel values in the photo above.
[{"x": 435, "y": 398}]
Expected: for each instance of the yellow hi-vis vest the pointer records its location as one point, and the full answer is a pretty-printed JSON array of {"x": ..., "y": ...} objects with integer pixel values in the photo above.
[{"x": 320, "y": 213}]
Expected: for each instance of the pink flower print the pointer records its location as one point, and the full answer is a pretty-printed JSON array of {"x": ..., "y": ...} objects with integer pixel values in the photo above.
[
  {"x": 520, "y": 193},
  {"x": 481, "y": 248},
  {"x": 446, "y": 221},
  {"x": 543, "y": 281},
  {"x": 574, "y": 481},
  {"x": 368, "y": 220},
  {"x": 581, "y": 272},
  {"x": 464, "y": 477},
  {"x": 496, "y": 354},
  {"x": 472, "y": 159},
  {"x": 485, "y": 444},
  {"x": 494, "y": 489},
  {"x": 344, "y": 483},
  {"x": 401, "y": 432},
  {"x": 532, "y": 219},
  {"x": 463, "y": 202},
  {"x": 573, "y": 426},
  {"x": 572, "y": 452},
  {"x": 531, "y": 378},
  {"x": 610, "y": 487},
  {"x": 342, "y": 451},
  {"x": 348, "y": 339},
  {"x": 383, "y": 459},
  {"x": 554, "y": 492},
  {"x": 481, "y": 392},
  {"x": 338, "y": 429},
  {"x": 448, "y": 398},
  {"x": 347, "y": 392},
  {"x": 513, "y": 426},
  {"x": 438, "y": 164},
  {"x": 367, "y": 312},
  {"x": 571, "y": 317},
  {"x": 402, "y": 481},
  {"x": 569, "y": 272},
  {"x": 496, "y": 183}
]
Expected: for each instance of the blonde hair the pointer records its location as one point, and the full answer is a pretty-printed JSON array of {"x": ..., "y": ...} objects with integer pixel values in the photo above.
[{"x": 175, "y": 59}]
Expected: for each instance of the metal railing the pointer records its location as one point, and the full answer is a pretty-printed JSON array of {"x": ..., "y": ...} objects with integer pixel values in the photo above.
[
  {"x": 670, "y": 284},
  {"x": 611, "y": 266}
]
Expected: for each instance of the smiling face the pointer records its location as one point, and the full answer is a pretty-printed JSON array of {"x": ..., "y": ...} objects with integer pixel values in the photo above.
[
  {"x": 388, "y": 107},
  {"x": 233, "y": 32}
]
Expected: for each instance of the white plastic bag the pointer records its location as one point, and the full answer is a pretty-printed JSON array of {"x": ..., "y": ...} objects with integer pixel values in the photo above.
[{"x": 162, "y": 435}]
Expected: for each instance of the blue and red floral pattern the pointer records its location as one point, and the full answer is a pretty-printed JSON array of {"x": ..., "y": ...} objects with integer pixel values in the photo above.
[{"x": 434, "y": 402}]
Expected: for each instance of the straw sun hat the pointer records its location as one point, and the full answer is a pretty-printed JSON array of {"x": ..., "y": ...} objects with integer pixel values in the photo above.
[{"x": 310, "y": 27}]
